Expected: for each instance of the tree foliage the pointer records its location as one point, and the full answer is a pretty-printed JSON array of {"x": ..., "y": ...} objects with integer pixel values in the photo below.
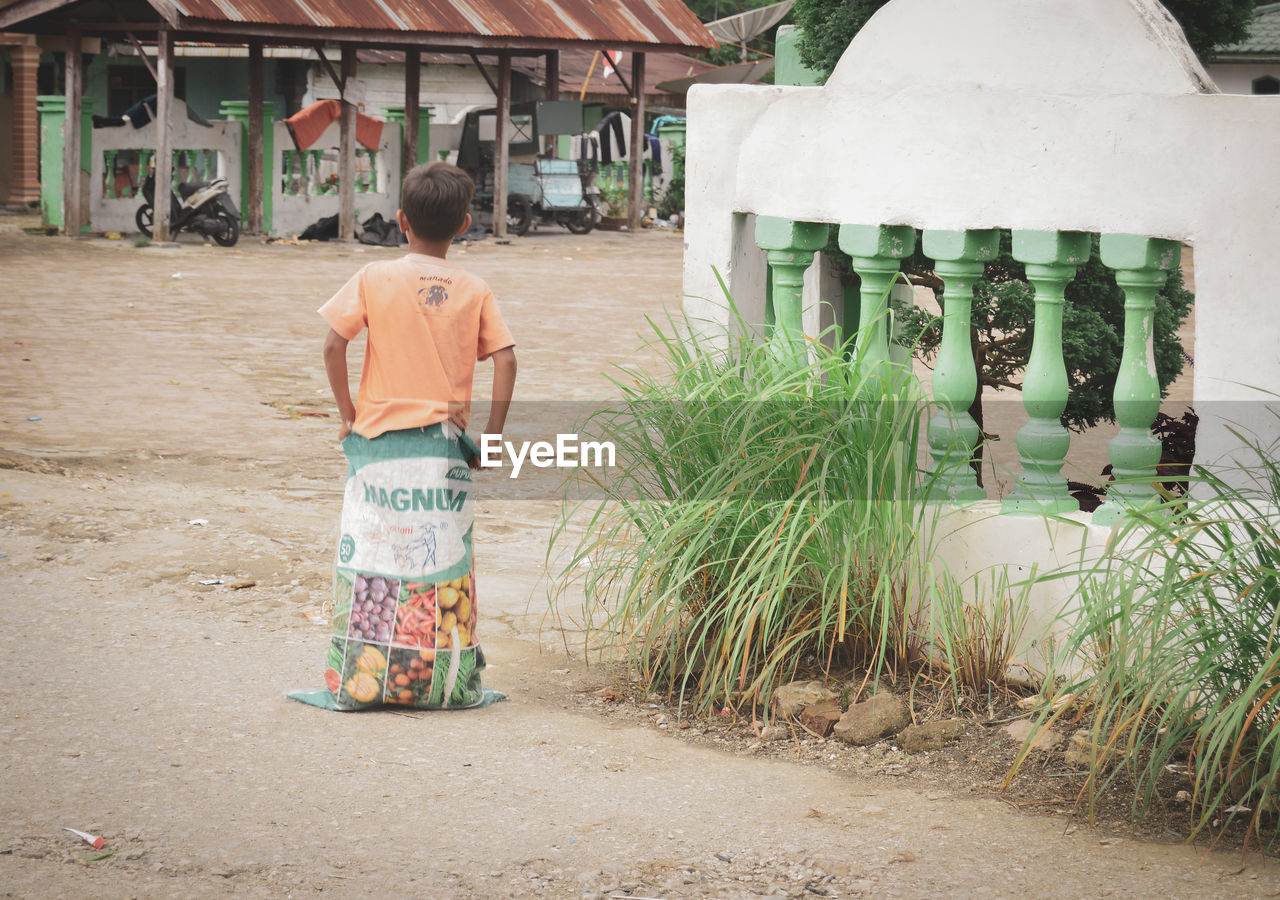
[{"x": 829, "y": 25}]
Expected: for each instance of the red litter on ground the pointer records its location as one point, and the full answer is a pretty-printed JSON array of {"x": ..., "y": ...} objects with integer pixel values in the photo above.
[{"x": 93, "y": 840}]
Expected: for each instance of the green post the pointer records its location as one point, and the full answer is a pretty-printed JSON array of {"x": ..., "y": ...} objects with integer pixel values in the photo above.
[
  {"x": 52, "y": 109},
  {"x": 396, "y": 114},
  {"x": 787, "y": 66},
  {"x": 238, "y": 110},
  {"x": 1141, "y": 265},
  {"x": 877, "y": 251},
  {"x": 960, "y": 258},
  {"x": 1051, "y": 258},
  {"x": 789, "y": 247},
  {"x": 109, "y": 172}
]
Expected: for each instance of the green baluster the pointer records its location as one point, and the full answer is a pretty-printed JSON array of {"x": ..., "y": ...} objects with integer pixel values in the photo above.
[
  {"x": 1051, "y": 258},
  {"x": 317, "y": 187},
  {"x": 960, "y": 257},
  {"x": 877, "y": 251},
  {"x": 789, "y": 247},
  {"x": 371, "y": 184},
  {"x": 1142, "y": 265},
  {"x": 362, "y": 182},
  {"x": 144, "y": 163},
  {"x": 109, "y": 172},
  {"x": 291, "y": 175}
]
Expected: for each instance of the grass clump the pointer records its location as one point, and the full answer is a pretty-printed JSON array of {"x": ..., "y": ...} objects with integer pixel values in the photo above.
[
  {"x": 1176, "y": 627},
  {"x": 763, "y": 517}
]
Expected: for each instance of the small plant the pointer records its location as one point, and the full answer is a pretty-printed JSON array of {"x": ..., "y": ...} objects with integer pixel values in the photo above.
[
  {"x": 615, "y": 195},
  {"x": 764, "y": 517},
  {"x": 672, "y": 202}
]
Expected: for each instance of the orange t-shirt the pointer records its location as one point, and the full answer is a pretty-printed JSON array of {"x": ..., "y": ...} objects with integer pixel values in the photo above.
[{"x": 428, "y": 322}]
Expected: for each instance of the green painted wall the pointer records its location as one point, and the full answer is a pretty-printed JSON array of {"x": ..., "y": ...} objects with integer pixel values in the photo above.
[{"x": 208, "y": 81}]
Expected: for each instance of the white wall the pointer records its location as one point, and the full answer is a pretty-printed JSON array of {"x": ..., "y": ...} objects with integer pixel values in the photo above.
[
  {"x": 117, "y": 213},
  {"x": 452, "y": 90},
  {"x": 1237, "y": 78},
  {"x": 1092, "y": 115},
  {"x": 294, "y": 212}
]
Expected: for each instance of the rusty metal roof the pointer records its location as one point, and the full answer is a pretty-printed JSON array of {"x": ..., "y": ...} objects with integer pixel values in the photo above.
[{"x": 657, "y": 22}]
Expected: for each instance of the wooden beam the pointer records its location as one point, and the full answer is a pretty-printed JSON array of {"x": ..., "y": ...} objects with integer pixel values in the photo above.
[
  {"x": 412, "y": 85},
  {"x": 22, "y": 10},
  {"x": 347, "y": 153},
  {"x": 71, "y": 136},
  {"x": 255, "y": 138},
  {"x": 142, "y": 55},
  {"x": 167, "y": 11},
  {"x": 164, "y": 149},
  {"x": 339, "y": 81},
  {"x": 622, "y": 79},
  {"x": 635, "y": 205},
  {"x": 500, "y": 149},
  {"x": 479, "y": 65}
]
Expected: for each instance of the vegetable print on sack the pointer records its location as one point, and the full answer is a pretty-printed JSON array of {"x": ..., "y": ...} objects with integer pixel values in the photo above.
[{"x": 404, "y": 622}]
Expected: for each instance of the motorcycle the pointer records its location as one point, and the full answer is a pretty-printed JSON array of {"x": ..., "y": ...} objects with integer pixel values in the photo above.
[{"x": 199, "y": 206}]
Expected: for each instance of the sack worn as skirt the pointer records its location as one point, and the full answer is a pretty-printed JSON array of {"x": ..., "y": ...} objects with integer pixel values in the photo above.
[{"x": 404, "y": 618}]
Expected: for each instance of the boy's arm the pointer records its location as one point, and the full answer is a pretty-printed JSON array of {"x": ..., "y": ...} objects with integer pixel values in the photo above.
[
  {"x": 335, "y": 366},
  {"x": 504, "y": 383}
]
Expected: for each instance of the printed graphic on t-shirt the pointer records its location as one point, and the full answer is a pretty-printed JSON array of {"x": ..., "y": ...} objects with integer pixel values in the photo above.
[{"x": 434, "y": 293}]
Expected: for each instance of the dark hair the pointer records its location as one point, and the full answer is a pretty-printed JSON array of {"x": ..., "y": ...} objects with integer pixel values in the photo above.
[{"x": 435, "y": 199}]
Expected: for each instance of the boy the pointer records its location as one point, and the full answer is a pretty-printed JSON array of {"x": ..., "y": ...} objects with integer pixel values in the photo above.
[{"x": 404, "y": 616}]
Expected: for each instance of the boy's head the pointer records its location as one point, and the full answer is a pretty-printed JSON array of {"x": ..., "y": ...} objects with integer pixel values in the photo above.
[{"x": 435, "y": 200}]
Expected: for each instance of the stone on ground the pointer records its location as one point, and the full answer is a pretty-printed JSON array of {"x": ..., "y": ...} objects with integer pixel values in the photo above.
[
  {"x": 930, "y": 735},
  {"x": 874, "y": 719},
  {"x": 791, "y": 699}
]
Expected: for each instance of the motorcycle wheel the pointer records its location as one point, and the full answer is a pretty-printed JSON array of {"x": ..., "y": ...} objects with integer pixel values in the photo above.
[
  {"x": 583, "y": 222},
  {"x": 229, "y": 229},
  {"x": 519, "y": 215},
  {"x": 145, "y": 218}
]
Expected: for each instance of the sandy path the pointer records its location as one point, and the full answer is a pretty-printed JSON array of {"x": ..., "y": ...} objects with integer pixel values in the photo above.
[{"x": 144, "y": 705}]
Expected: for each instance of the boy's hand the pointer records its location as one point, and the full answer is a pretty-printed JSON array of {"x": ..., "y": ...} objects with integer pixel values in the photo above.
[
  {"x": 458, "y": 416},
  {"x": 344, "y": 429}
]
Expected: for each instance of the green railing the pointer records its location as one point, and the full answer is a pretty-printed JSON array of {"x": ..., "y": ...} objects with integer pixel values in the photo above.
[
  {"x": 1141, "y": 265},
  {"x": 124, "y": 170},
  {"x": 315, "y": 172}
]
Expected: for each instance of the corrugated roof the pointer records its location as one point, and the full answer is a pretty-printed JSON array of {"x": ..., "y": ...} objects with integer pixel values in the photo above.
[
  {"x": 1264, "y": 34},
  {"x": 658, "y": 22}
]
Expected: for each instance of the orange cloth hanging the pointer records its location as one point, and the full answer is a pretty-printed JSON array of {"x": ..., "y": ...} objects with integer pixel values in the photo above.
[{"x": 306, "y": 125}]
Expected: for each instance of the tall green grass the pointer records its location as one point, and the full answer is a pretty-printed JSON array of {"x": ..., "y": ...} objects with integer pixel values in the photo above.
[
  {"x": 1176, "y": 627},
  {"x": 764, "y": 519}
]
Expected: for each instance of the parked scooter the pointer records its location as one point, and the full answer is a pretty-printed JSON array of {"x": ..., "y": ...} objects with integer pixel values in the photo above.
[{"x": 204, "y": 207}]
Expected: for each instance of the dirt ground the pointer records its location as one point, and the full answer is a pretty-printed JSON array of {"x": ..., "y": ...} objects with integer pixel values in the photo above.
[{"x": 165, "y": 424}]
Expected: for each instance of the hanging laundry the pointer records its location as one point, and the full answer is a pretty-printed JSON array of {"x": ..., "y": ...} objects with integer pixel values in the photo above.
[{"x": 306, "y": 125}]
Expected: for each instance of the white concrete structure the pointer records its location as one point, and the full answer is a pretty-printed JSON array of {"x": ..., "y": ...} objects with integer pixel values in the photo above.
[
  {"x": 1092, "y": 115},
  {"x": 296, "y": 206},
  {"x": 107, "y": 213}
]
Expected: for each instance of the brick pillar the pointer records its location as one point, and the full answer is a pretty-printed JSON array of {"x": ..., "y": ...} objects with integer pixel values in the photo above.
[{"x": 25, "y": 186}]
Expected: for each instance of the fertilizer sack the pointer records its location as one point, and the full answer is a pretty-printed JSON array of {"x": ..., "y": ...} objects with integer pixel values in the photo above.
[{"x": 404, "y": 619}]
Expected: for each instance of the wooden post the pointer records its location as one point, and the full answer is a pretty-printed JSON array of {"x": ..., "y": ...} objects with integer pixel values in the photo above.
[
  {"x": 412, "y": 85},
  {"x": 255, "y": 138},
  {"x": 552, "y": 92},
  {"x": 500, "y": 150},
  {"x": 635, "y": 195},
  {"x": 71, "y": 136},
  {"x": 553, "y": 75},
  {"x": 164, "y": 150},
  {"x": 347, "y": 151}
]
